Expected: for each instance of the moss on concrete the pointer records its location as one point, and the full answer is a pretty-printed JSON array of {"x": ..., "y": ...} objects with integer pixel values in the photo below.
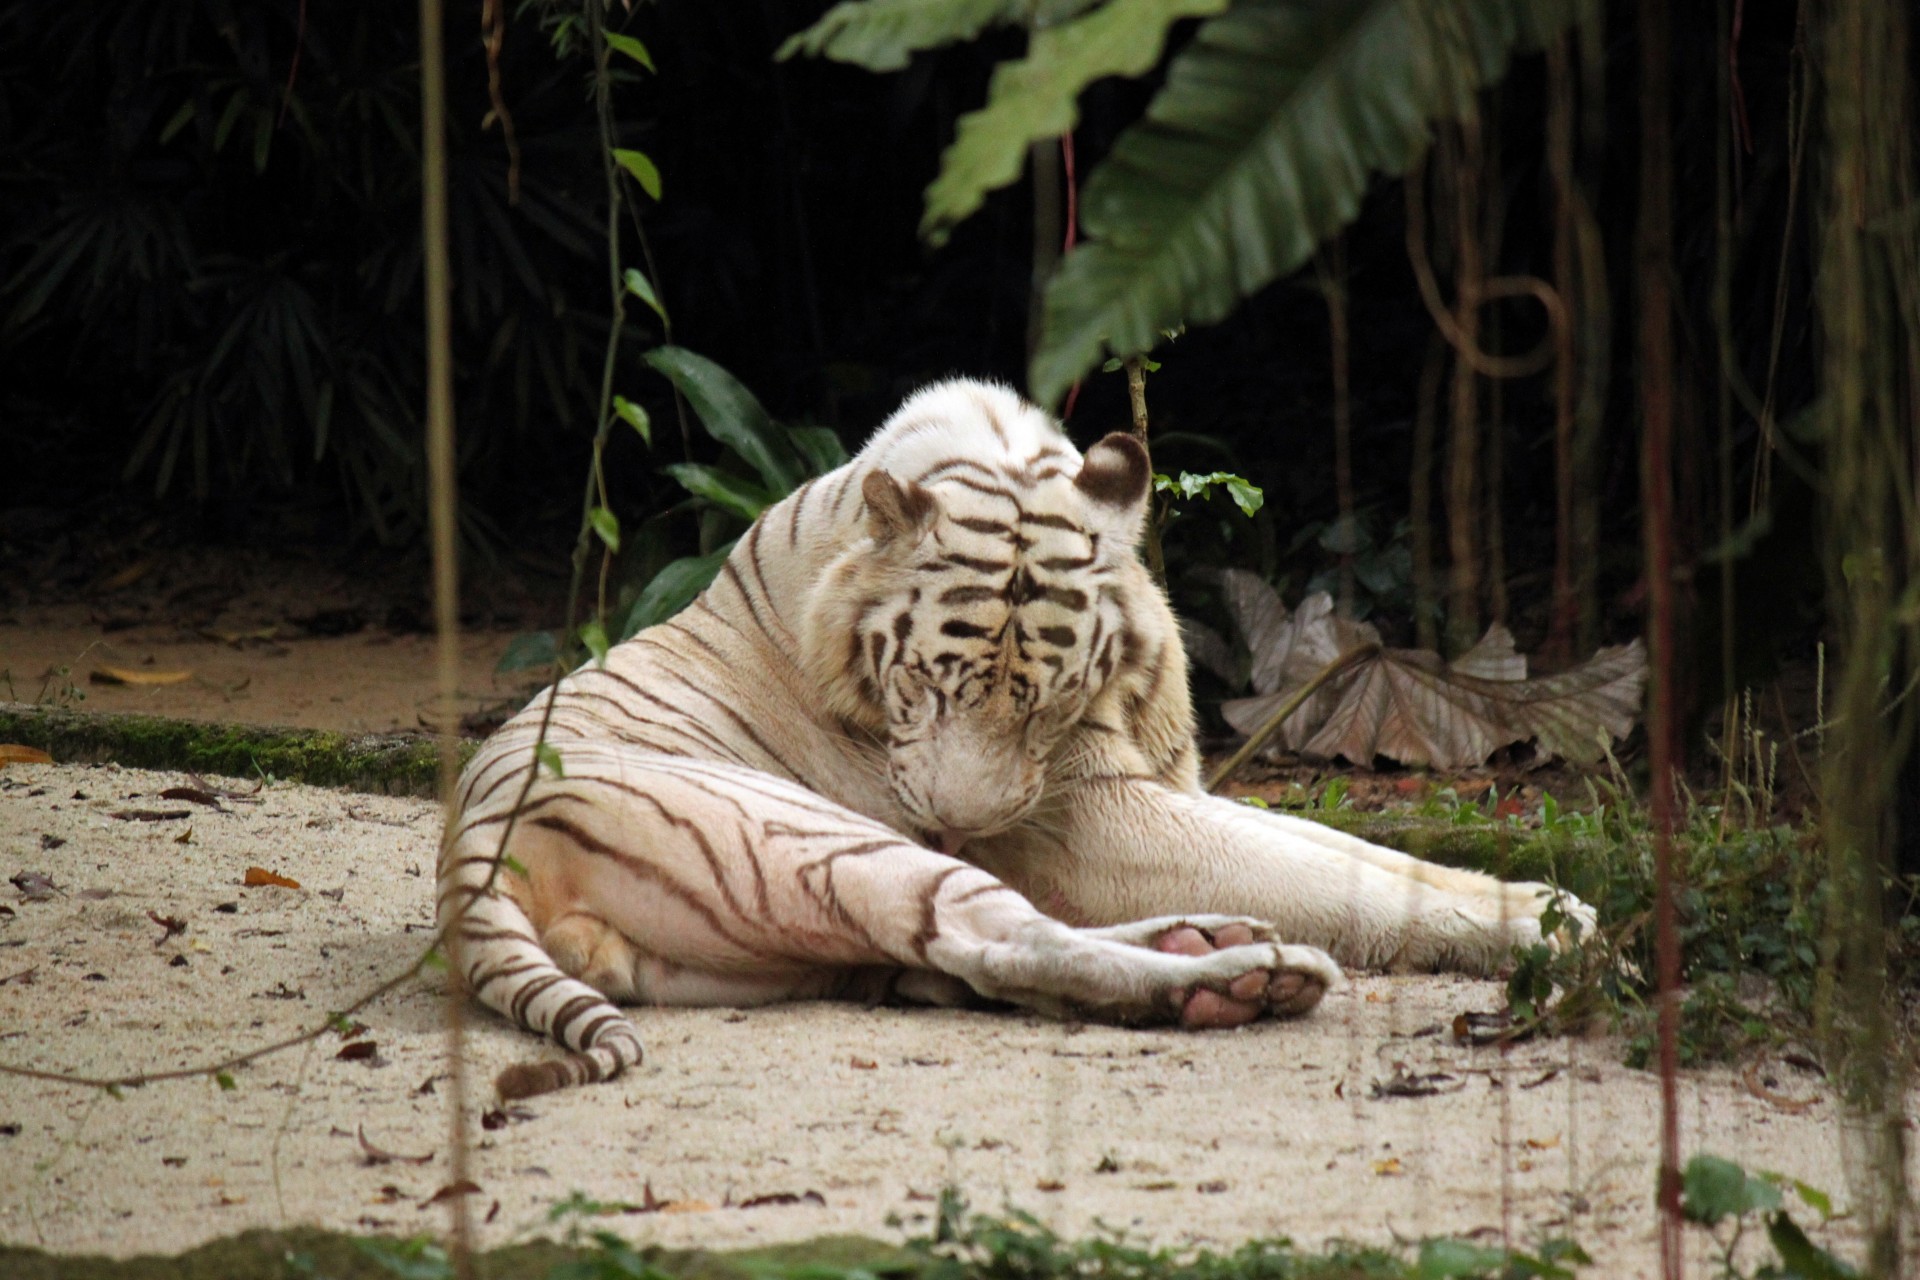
[
  {"x": 307, "y": 1251},
  {"x": 392, "y": 764}
]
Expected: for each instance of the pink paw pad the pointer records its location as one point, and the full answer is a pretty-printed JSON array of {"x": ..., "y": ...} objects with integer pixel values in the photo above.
[{"x": 1245, "y": 998}]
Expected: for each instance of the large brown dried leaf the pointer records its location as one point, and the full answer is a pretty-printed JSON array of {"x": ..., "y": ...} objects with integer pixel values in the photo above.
[{"x": 1412, "y": 706}]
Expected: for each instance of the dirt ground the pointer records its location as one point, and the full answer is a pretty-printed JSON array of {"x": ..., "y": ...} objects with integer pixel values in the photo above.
[{"x": 744, "y": 1126}]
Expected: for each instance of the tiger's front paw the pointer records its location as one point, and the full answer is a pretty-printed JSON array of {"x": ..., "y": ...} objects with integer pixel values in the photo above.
[{"x": 1285, "y": 982}]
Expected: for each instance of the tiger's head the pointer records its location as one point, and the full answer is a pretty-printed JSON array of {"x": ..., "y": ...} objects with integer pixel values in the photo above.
[{"x": 988, "y": 612}]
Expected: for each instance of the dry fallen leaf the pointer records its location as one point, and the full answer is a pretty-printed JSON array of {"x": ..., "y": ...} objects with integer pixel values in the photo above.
[
  {"x": 785, "y": 1197},
  {"x": 34, "y": 886},
  {"x": 14, "y": 753},
  {"x": 172, "y": 924},
  {"x": 125, "y": 577},
  {"x": 226, "y": 793},
  {"x": 1413, "y": 706},
  {"x": 499, "y": 1118},
  {"x": 464, "y": 1187},
  {"x": 1544, "y": 1144},
  {"x": 686, "y": 1206},
  {"x": 1405, "y": 1084},
  {"x": 1388, "y": 1168},
  {"x": 195, "y": 794},
  {"x": 863, "y": 1064},
  {"x": 240, "y": 639},
  {"x": 373, "y": 1155},
  {"x": 136, "y": 675},
  {"x": 359, "y": 1051},
  {"x": 257, "y": 876}
]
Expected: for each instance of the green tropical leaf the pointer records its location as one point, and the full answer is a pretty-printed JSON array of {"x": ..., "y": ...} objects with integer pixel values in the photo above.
[
  {"x": 534, "y": 649},
  {"x": 1712, "y": 1188},
  {"x": 1804, "y": 1259},
  {"x": 631, "y": 47},
  {"x": 642, "y": 167},
  {"x": 1261, "y": 144},
  {"x": 673, "y": 589},
  {"x": 742, "y": 497},
  {"x": 1813, "y": 1197},
  {"x": 731, "y": 415},
  {"x": 594, "y": 636},
  {"x": 819, "y": 447},
  {"x": 1246, "y": 495},
  {"x": 546, "y": 754},
  {"x": 607, "y": 525},
  {"x": 1447, "y": 1259},
  {"x": 634, "y": 416},
  {"x": 642, "y": 288},
  {"x": 1033, "y": 97},
  {"x": 180, "y": 120},
  {"x": 881, "y": 35}
]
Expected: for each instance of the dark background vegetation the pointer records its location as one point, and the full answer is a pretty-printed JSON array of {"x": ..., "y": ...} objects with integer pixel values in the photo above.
[{"x": 210, "y": 299}]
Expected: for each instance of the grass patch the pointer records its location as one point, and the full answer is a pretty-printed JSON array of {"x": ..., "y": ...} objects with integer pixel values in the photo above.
[
  {"x": 1754, "y": 906},
  {"x": 384, "y": 764},
  {"x": 1720, "y": 1198}
]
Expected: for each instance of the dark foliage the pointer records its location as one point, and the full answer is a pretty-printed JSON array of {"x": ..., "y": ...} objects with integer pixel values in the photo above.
[
  {"x": 211, "y": 256},
  {"x": 209, "y": 283}
]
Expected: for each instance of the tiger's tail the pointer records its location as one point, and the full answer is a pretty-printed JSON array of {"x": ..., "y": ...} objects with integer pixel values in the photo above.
[{"x": 496, "y": 955}]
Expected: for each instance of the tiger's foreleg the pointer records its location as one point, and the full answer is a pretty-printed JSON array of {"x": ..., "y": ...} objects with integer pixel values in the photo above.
[
  {"x": 647, "y": 878},
  {"x": 1117, "y": 849}
]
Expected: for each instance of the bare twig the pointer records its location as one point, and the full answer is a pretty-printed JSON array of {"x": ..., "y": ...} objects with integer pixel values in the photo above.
[
  {"x": 1473, "y": 295},
  {"x": 1136, "y": 367},
  {"x": 493, "y": 30},
  {"x": 1338, "y": 667}
]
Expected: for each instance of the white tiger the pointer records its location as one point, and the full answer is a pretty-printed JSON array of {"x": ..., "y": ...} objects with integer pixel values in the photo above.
[{"x": 927, "y": 735}]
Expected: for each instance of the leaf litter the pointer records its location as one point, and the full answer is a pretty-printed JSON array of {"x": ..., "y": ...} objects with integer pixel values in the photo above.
[
  {"x": 35, "y": 886},
  {"x": 1412, "y": 705},
  {"x": 137, "y": 676}
]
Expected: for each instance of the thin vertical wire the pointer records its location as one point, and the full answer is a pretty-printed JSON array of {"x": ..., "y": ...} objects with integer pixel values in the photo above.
[
  {"x": 1868, "y": 291},
  {"x": 1655, "y": 252},
  {"x": 1332, "y": 267},
  {"x": 441, "y": 505}
]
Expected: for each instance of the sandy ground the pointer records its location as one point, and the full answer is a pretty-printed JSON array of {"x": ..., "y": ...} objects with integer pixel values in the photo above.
[
  {"x": 860, "y": 1114},
  {"x": 372, "y": 681}
]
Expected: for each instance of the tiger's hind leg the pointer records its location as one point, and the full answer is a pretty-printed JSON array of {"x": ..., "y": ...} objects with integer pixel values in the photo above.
[{"x": 588, "y": 948}]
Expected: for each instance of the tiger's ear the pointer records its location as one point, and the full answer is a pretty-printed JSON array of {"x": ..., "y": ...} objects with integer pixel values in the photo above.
[
  {"x": 1117, "y": 479},
  {"x": 896, "y": 510}
]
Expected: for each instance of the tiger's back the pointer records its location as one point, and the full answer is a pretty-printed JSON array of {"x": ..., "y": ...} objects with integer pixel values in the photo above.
[{"x": 774, "y": 666}]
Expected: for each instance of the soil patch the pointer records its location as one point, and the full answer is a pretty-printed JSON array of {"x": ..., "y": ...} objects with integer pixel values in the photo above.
[{"x": 743, "y": 1127}]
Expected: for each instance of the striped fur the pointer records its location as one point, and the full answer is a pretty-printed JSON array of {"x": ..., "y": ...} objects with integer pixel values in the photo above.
[{"x": 927, "y": 735}]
